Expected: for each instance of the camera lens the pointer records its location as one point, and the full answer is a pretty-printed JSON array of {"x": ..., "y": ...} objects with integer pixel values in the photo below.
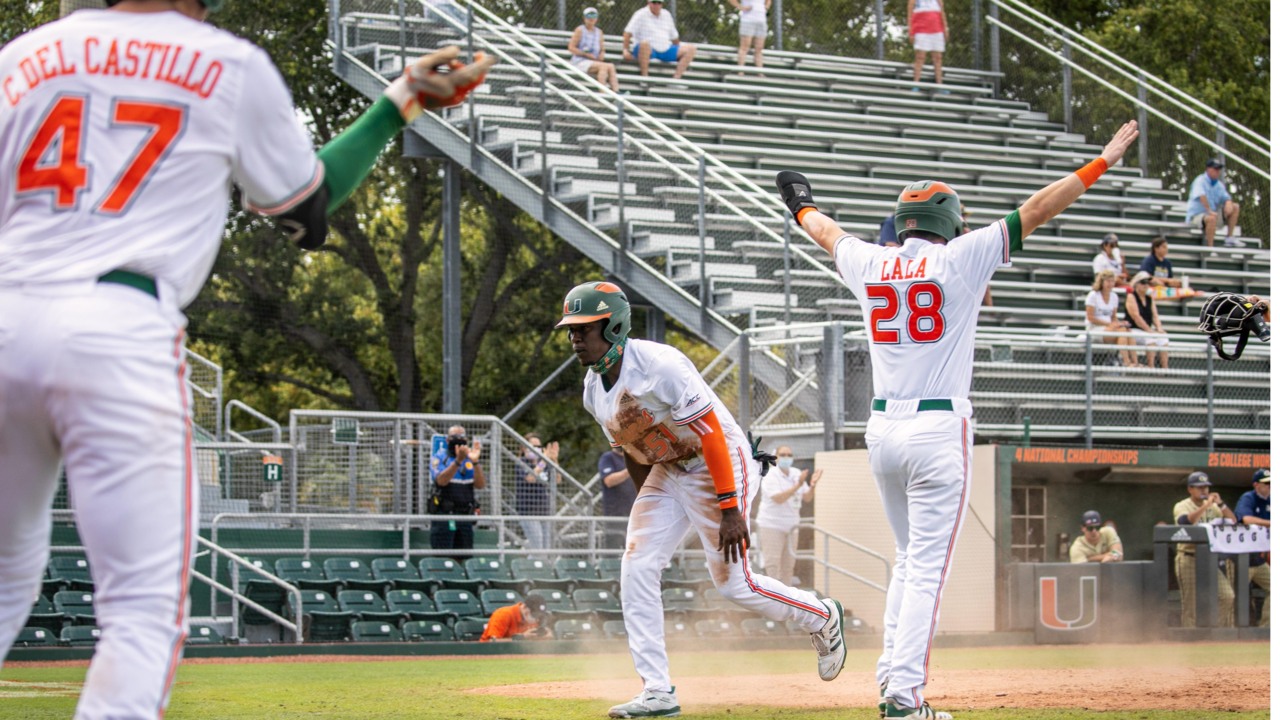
[{"x": 1260, "y": 328}]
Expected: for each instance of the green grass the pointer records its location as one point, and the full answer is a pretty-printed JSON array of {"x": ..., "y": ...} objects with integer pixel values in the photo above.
[{"x": 431, "y": 688}]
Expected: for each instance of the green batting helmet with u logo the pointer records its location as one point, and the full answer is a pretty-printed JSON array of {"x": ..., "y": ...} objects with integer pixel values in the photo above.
[{"x": 596, "y": 301}]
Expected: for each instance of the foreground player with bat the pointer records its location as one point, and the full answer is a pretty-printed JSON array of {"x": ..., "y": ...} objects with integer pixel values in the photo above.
[
  {"x": 921, "y": 302},
  {"x": 118, "y": 161}
]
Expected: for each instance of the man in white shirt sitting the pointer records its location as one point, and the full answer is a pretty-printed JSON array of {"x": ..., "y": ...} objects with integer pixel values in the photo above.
[{"x": 651, "y": 33}]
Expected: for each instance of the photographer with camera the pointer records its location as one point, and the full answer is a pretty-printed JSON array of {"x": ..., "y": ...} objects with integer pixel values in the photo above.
[
  {"x": 1203, "y": 506},
  {"x": 455, "y": 475}
]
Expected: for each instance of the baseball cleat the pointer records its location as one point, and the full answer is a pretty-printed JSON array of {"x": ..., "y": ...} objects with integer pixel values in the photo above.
[
  {"x": 883, "y": 687},
  {"x": 650, "y": 703},
  {"x": 924, "y": 712},
  {"x": 829, "y": 642}
]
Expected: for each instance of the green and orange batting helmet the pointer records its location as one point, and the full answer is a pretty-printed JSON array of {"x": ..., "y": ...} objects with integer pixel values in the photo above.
[
  {"x": 597, "y": 301},
  {"x": 930, "y": 206}
]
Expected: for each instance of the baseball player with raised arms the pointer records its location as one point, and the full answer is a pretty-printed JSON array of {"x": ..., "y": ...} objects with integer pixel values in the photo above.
[
  {"x": 693, "y": 467},
  {"x": 121, "y": 132},
  {"x": 921, "y": 302}
]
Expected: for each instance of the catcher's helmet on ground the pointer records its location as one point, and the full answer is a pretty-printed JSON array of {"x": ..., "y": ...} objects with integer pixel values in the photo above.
[
  {"x": 595, "y": 301},
  {"x": 1227, "y": 314},
  {"x": 930, "y": 206}
]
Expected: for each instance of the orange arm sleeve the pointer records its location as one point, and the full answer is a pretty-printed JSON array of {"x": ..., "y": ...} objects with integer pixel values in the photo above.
[{"x": 716, "y": 452}]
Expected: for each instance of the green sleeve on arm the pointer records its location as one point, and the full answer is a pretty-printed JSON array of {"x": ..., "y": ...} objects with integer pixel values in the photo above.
[
  {"x": 1013, "y": 221},
  {"x": 350, "y": 156}
]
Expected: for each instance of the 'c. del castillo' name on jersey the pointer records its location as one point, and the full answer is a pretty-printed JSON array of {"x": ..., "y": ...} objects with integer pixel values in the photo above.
[
  {"x": 921, "y": 305},
  {"x": 650, "y": 410}
]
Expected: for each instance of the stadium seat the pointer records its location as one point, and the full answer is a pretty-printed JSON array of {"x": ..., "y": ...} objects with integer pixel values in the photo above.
[
  {"x": 75, "y": 605},
  {"x": 678, "y": 628},
  {"x": 44, "y": 615},
  {"x": 367, "y": 631},
  {"x": 719, "y": 607},
  {"x": 602, "y": 602},
  {"x": 469, "y": 630},
  {"x": 615, "y": 629},
  {"x": 560, "y": 605},
  {"x": 576, "y": 630},
  {"x": 79, "y": 635},
  {"x": 491, "y": 600},
  {"x": 582, "y": 574},
  {"x": 369, "y": 607},
  {"x": 51, "y": 583},
  {"x": 494, "y": 574},
  {"x": 695, "y": 570},
  {"x": 540, "y": 574},
  {"x": 73, "y": 571},
  {"x": 673, "y": 576},
  {"x": 324, "y": 621},
  {"x": 715, "y": 628},
  {"x": 427, "y": 631},
  {"x": 402, "y": 575},
  {"x": 204, "y": 635},
  {"x": 447, "y": 573},
  {"x": 610, "y": 568},
  {"x": 354, "y": 575},
  {"x": 684, "y": 602},
  {"x": 36, "y": 637},
  {"x": 417, "y": 606},
  {"x": 760, "y": 627},
  {"x": 306, "y": 575},
  {"x": 459, "y": 602},
  {"x": 244, "y": 574}
]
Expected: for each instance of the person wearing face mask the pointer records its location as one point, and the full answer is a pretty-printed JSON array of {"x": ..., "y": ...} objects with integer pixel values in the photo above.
[
  {"x": 533, "y": 492},
  {"x": 782, "y": 492},
  {"x": 1209, "y": 204}
]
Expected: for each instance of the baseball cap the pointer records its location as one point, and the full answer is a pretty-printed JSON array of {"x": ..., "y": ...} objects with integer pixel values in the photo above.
[
  {"x": 1213, "y": 163},
  {"x": 1142, "y": 276},
  {"x": 537, "y": 605},
  {"x": 590, "y": 13},
  {"x": 1091, "y": 519},
  {"x": 1110, "y": 239},
  {"x": 1263, "y": 476},
  {"x": 1198, "y": 479}
]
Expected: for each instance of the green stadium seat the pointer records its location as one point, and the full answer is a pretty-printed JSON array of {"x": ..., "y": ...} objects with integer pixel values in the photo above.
[
  {"x": 366, "y": 631},
  {"x": 258, "y": 589},
  {"x": 51, "y": 583},
  {"x": 601, "y": 602},
  {"x": 560, "y": 605},
  {"x": 760, "y": 627},
  {"x": 354, "y": 575},
  {"x": 673, "y": 576},
  {"x": 610, "y": 568},
  {"x": 369, "y": 607},
  {"x": 678, "y": 628},
  {"x": 401, "y": 574},
  {"x": 684, "y": 601},
  {"x": 695, "y": 570},
  {"x": 45, "y": 615},
  {"x": 75, "y": 605},
  {"x": 469, "y": 630},
  {"x": 36, "y": 637},
  {"x": 73, "y": 571},
  {"x": 494, "y": 574},
  {"x": 417, "y": 606},
  {"x": 461, "y": 603},
  {"x": 615, "y": 629},
  {"x": 324, "y": 620},
  {"x": 577, "y": 630},
  {"x": 427, "y": 631},
  {"x": 540, "y": 574},
  {"x": 204, "y": 635},
  {"x": 306, "y": 574},
  {"x": 491, "y": 600},
  {"x": 583, "y": 575},
  {"x": 449, "y": 574},
  {"x": 79, "y": 635},
  {"x": 715, "y": 628}
]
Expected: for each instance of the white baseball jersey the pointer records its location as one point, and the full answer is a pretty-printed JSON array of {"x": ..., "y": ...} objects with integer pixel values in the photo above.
[
  {"x": 921, "y": 305},
  {"x": 106, "y": 118}
]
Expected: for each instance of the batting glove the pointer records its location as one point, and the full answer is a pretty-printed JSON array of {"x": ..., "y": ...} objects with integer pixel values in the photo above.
[
  {"x": 795, "y": 191},
  {"x": 437, "y": 80},
  {"x": 760, "y": 456}
]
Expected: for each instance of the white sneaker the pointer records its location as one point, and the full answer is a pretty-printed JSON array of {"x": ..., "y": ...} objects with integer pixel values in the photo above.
[
  {"x": 650, "y": 703},
  {"x": 924, "y": 712},
  {"x": 1233, "y": 241},
  {"x": 829, "y": 642}
]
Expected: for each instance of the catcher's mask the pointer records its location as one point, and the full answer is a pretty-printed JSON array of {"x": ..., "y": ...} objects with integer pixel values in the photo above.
[{"x": 1227, "y": 314}]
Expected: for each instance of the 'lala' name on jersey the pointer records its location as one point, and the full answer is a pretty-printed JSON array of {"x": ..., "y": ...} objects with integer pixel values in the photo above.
[
  {"x": 144, "y": 59},
  {"x": 900, "y": 268}
]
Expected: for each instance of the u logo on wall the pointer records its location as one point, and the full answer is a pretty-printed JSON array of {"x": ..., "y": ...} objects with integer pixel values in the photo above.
[{"x": 1050, "y": 612}]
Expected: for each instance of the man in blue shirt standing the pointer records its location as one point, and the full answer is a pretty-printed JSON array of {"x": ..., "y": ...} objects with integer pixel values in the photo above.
[
  {"x": 455, "y": 475},
  {"x": 1209, "y": 204},
  {"x": 1254, "y": 508}
]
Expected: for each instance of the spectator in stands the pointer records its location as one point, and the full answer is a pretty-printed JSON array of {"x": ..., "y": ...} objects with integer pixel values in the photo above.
[
  {"x": 617, "y": 497},
  {"x": 782, "y": 492},
  {"x": 1203, "y": 506},
  {"x": 1110, "y": 258},
  {"x": 587, "y": 48},
  {"x": 1209, "y": 205},
  {"x": 753, "y": 25},
  {"x": 533, "y": 492},
  {"x": 1100, "y": 316},
  {"x": 1099, "y": 543},
  {"x": 1254, "y": 508},
  {"x": 456, "y": 475},
  {"x": 528, "y": 619},
  {"x": 888, "y": 233},
  {"x": 1158, "y": 265},
  {"x": 1144, "y": 320},
  {"x": 927, "y": 32},
  {"x": 653, "y": 32}
]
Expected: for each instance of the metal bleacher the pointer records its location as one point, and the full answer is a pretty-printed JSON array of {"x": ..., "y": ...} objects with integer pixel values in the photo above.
[{"x": 680, "y": 175}]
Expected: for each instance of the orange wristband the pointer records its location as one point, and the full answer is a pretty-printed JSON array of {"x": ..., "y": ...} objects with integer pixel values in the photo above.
[
  {"x": 800, "y": 215},
  {"x": 1090, "y": 173}
]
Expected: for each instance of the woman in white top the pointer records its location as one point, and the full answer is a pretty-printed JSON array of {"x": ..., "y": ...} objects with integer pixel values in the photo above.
[
  {"x": 587, "y": 48},
  {"x": 1110, "y": 258},
  {"x": 1100, "y": 315},
  {"x": 782, "y": 492},
  {"x": 753, "y": 25}
]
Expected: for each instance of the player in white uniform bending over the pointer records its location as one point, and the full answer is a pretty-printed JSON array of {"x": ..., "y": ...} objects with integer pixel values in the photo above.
[
  {"x": 121, "y": 131},
  {"x": 921, "y": 302},
  {"x": 693, "y": 467}
]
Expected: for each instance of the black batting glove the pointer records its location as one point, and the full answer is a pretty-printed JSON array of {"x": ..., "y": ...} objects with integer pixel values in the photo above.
[
  {"x": 760, "y": 456},
  {"x": 795, "y": 191}
]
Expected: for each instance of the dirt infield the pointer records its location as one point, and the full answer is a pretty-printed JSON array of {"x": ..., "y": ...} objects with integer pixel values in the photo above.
[{"x": 1154, "y": 688}]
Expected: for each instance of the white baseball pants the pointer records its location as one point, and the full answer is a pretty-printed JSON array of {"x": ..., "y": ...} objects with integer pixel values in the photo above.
[
  {"x": 671, "y": 502},
  {"x": 922, "y": 463},
  {"x": 94, "y": 375}
]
